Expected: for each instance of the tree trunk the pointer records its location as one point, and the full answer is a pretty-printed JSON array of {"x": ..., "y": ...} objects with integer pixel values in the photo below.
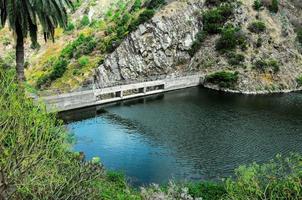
[{"x": 20, "y": 54}]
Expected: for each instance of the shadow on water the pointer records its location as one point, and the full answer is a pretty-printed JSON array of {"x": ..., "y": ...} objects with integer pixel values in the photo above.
[
  {"x": 93, "y": 111},
  {"x": 189, "y": 134}
]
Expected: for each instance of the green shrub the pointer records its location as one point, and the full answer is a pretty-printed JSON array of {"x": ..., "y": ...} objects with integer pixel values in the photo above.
[
  {"x": 85, "y": 21},
  {"x": 214, "y": 19},
  {"x": 42, "y": 81},
  {"x": 257, "y": 5},
  {"x": 274, "y": 7},
  {"x": 142, "y": 18},
  {"x": 230, "y": 38},
  {"x": 259, "y": 42},
  {"x": 235, "y": 59},
  {"x": 59, "y": 68},
  {"x": 153, "y": 4},
  {"x": 70, "y": 27},
  {"x": 207, "y": 190},
  {"x": 223, "y": 79},
  {"x": 83, "y": 61},
  {"x": 299, "y": 35},
  {"x": 35, "y": 161},
  {"x": 6, "y": 41},
  {"x": 110, "y": 43},
  {"x": 83, "y": 45},
  {"x": 77, "y": 4},
  {"x": 215, "y": 2},
  {"x": 67, "y": 52},
  {"x": 274, "y": 64},
  {"x": 299, "y": 80},
  {"x": 86, "y": 47},
  {"x": 200, "y": 37},
  {"x": 257, "y": 27},
  {"x": 137, "y": 5},
  {"x": 125, "y": 19},
  {"x": 76, "y": 72},
  {"x": 278, "y": 179},
  {"x": 262, "y": 65}
]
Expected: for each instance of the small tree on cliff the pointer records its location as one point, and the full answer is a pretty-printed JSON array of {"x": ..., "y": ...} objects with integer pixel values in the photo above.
[{"x": 24, "y": 17}]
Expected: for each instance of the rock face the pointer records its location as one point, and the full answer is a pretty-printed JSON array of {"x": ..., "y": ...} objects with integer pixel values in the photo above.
[
  {"x": 161, "y": 47},
  {"x": 156, "y": 47}
]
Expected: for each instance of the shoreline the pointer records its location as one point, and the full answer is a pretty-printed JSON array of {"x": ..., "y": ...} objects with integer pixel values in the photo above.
[{"x": 262, "y": 92}]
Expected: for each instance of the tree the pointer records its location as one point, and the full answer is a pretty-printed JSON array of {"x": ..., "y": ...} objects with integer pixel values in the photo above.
[{"x": 25, "y": 16}]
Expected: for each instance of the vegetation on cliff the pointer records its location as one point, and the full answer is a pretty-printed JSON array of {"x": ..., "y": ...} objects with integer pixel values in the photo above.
[
  {"x": 251, "y": 42},
  {"x": 96, "y": 39}
]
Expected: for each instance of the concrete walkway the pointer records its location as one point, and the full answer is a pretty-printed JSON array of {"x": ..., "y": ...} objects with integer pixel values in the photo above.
[{"x": 92, "y": 97}]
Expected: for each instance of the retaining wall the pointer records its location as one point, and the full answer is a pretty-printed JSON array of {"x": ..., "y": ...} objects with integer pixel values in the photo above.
[{"x": 75, "y": 100}]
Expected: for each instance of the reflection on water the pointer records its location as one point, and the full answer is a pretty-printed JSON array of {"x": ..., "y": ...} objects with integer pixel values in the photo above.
[{"x": 189, "y": 134}]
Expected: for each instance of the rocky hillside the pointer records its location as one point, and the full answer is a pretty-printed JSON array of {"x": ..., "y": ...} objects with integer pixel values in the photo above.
[
  {"x": 250, "y": 46},
  {"x": 95, "y": 29},
  {"x": 245, "y": 46}
]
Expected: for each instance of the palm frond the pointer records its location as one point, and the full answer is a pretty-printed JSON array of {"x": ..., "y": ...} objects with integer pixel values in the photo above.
[{"x": 28, "y": 14}]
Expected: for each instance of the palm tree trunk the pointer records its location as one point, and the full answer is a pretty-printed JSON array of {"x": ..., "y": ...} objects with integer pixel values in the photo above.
[{"x": 20, "y": 54}]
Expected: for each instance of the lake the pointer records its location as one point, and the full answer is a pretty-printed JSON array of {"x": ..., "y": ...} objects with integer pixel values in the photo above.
[{"x": 191, "y": 134}]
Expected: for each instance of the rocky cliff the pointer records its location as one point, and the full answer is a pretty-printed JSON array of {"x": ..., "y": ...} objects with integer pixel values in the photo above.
[
  {"x": 161, "y": 46},
  {"x": 157, "y": 47}
]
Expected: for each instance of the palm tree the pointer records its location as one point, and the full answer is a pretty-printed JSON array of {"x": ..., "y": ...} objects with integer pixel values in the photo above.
[{"x": 25, "y": 16}]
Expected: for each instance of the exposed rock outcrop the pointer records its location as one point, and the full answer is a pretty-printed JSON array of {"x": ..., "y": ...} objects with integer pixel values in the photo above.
[
  {"x": 161, "y": 47},
  {"x": 156, "y": 47}
]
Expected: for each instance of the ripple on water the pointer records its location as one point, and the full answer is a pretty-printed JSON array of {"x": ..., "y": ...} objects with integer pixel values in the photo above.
[{"x": 189, "y": 134}]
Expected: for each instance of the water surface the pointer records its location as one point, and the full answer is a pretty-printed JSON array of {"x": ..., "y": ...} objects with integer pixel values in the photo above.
[{"x": 192, "y": 134}]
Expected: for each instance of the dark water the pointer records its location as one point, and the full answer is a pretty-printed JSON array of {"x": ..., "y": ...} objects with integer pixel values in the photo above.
[{"x": 193, "y": 134}]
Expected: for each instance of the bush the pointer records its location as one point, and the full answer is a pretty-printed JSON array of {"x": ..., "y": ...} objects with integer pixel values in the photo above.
[
  {"x": 274, "y": 6},
  {"x": 70, "y": 27},
  {"x": 215, "y": 2},
  {"x": 153, "y": 4},
  {"x": 231, "y": 37},
  {"x": 207, "y": 190},
  {"x": 299, "y": 35},
  {"x": 83, "y": 61},
  {"x": 85, "y": 21},
  {"x": 214, "y": 19},
  {"x": 274, "y": 64},
  {"x": 200, "y": 37},
  {"x": 262, "y": 65},
  {"x": 278, "y": 179},
  {"x": 137, "y": 5},
  {"x": 59, "y": 68},
  {"x": 142, "y": 18},
  {"x": 35, "y": 162},
  {"x": 223, "y": 79},
  {"x": 299, "y": 80},
  {"x": 235, "y": 59},
  {"x": 257, "y": 5},
  {"x": 259, "y": 42},
  {"x": 83, "y": 45},
  {"x": 257, "y": 27}
]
